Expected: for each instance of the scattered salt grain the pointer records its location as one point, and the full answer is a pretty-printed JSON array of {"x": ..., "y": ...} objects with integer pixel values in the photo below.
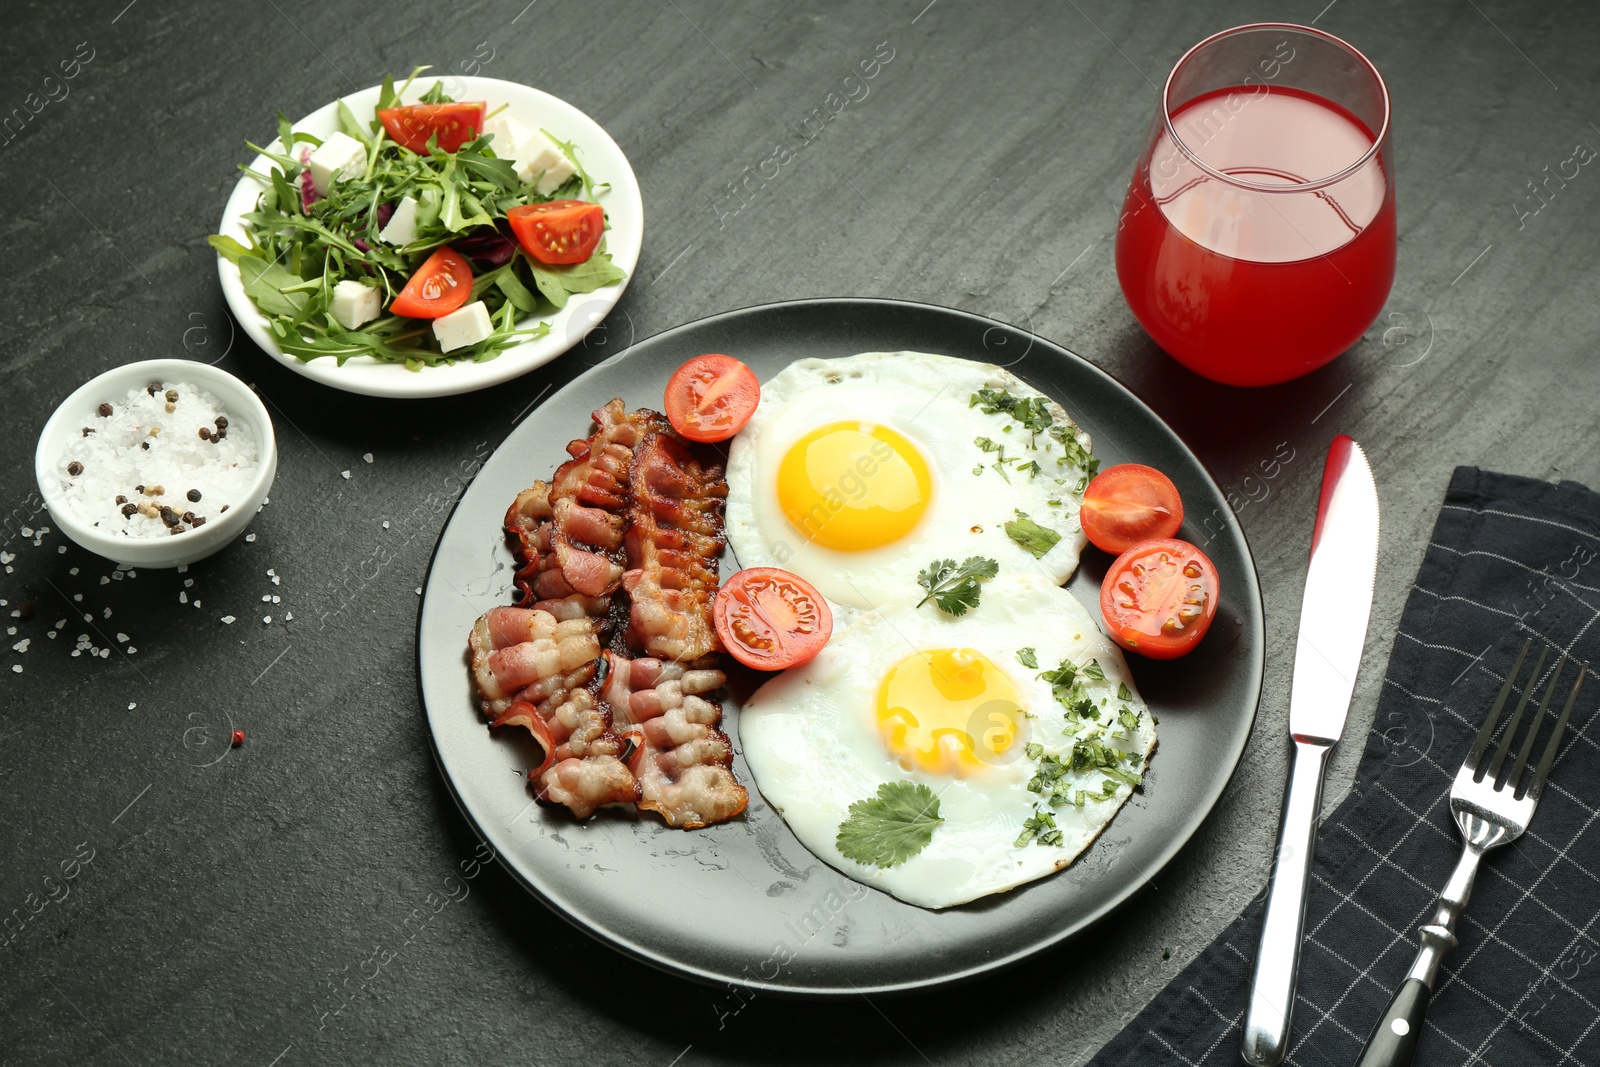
[
  {"x": 105, "y": 653},
  {"x": 188, "y": 583},
  {"x": 7, "y": 557},
  {"x": 104, "y": 580},
  {"x": 27, "y": 531},
  {"x": 77, "y": 596},
  {"x": 266, "y": 598},
  {"x": 419, "y": 590},
  {"x": 122, "y": 638},
  {"x": 128, "y": 452},
  {"x": 345, "y": 475},
  {"x": 116, "y": 576},
  {"x": 107, "y": 613},
  {"x": 17, "y": 667},
  {"x": 288, "y": 616},
  {"x": 276, "y": 580},
  {"x": 277, "y": 600},
  {"x": 267, "y": 619},
  {"x": 131, "y": 650},
  {"x": 73, "y": 572},
  {"x": 183, "y": 598},
  {"x": 61, "y": 624},
  {"x": 22, "y": 646},
  {"x": 227, "y": 620},
  {"x": 87, "y": 617},
  {"x": 367, "y": 456},
  {"x": 385, "y": 524},
  {"x": 61, "y": 550},
  {"x": 132, "y": 705},
  {"x": 249, "y": 537},
  {"x": 183, "y": 568},
  {"x": 51, "y": 634}
]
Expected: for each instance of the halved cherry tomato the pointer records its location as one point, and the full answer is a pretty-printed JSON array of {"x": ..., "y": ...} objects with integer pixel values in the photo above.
[
  {"x": 413, "y": 124},
  {"x": 1130, "y": 503},
  {"x": 1159, "y": 598},
  {"x": 711, "y": 397},
  {"x": 558, "y": 232},
  {"x": 441, "y": 284},
  {"x": 771, "y": 619}
]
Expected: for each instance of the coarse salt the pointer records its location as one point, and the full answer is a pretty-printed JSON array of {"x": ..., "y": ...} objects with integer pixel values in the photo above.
[{"x": 141, "y": 443}]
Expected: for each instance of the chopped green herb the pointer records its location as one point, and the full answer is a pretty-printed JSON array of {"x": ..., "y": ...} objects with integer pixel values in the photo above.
[
  {"x": 1074, "y": 452},
  {"x": 1128, "y": 718},
  {"x": 1039, "y": 827},
  {"x": 891, "y": 827},
  {"x": 1123, "y": 692},
  {"x": 1031, "y": 468},
  {"x": 1027, "y": 658},
  {"x": 1037, "y": 539},
  {"x": 1033, "y": 749},
  {"x": 1092, "y": 670},
  {"x": 1122, "y": 776},
  {"x": 955, "y": 588}
]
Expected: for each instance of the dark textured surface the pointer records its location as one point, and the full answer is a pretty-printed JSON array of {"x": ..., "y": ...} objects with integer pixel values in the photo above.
[{"x": 984, "y": 171}]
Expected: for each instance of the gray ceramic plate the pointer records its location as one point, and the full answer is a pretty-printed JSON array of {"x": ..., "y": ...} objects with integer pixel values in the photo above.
[{"x": 745, "y": 902}]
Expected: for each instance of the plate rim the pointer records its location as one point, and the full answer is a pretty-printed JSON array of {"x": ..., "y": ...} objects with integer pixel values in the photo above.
[
  {"x": 473, "y": 376},
  {"x": 1255, "y": 667}
]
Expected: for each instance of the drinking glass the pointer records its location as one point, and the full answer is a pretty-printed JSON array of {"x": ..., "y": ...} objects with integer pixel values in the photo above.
[{"x": 1257, "y": 240}]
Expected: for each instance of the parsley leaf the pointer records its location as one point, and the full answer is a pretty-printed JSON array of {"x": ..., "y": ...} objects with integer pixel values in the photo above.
[
  {"x": 1092, "y": 670},
  {"x": 891, "y": 827},
  {"x": 1123, "y": 692},
  {"x": 1030, "y": 535},
  {"x": 1128, "y": 718},
  {"x": 1027, "y": 658},
  {"x": 955, "y": 589},
  {"x": 1039, "y": 827},
  {"x": 1073, "y": 452}
]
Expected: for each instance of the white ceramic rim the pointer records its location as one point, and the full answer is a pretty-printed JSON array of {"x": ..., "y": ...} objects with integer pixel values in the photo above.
[
  {"x": 216, "y": 532},
  {"x": 536, "y": 109}
]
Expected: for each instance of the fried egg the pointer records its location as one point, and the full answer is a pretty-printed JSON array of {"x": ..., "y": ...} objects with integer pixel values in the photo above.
[
  {"x": 856, "y": 473},
  {"x": 909, "y": 696}
]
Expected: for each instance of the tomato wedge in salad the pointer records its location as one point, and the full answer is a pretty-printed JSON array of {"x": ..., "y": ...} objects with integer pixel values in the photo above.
[
  {"x": 559, "y": 232},
  {"x": 454, "y": 124},
  {"x": 711, "y": 397},
  {"x": 1159, "y": 597},
  {"x": 440, "y": 285},
  {"x": 770, "y": 619},
  {"x": 1130, "y": 503}
]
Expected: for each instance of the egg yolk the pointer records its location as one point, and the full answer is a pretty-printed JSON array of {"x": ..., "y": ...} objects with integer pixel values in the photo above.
[
  {"x": 949, "y": 711},
  {"x": 851, "y": 486}
]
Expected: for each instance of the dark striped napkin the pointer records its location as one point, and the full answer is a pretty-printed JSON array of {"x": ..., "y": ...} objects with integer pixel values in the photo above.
[{"x": 1510, "y": 558}]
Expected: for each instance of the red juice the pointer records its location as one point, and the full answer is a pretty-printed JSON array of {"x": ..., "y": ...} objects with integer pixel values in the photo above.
[{"x": 1244, "y": 285}]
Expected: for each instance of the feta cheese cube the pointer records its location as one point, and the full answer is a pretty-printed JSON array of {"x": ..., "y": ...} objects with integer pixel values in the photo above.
[
  {"x": 464, "y": 326},
  {"x": 401, "y": 228},
  {"x": 509, "y": 136},
  {"x": 354, "y": 304},
  {"x": 340, "y": 156},
  {"x": 543, "y": 165}
]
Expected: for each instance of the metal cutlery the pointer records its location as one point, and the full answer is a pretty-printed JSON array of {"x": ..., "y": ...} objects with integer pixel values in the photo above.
[
  {"x": 1333, "y": 629},
  {"x": 1491, "y": 810}
]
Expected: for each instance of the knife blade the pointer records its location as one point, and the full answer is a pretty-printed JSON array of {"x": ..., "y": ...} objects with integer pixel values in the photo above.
[{"x": 1333, "y": 629}]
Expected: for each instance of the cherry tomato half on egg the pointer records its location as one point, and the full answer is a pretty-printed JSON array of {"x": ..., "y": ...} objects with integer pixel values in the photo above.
[
  {"x": 1159, "y": 598},
  {"x": 454, "y": 124},
  {"x": 711, "y": 397},
  {"x": 560, "y": 231},
  {"x": 440, "y": 285},
  {"x": 1127, "y": 504},
  {"x": 770, "y": 619}
]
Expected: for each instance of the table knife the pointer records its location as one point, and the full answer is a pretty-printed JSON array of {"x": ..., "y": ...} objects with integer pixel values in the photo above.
[{"x": 1333, "y": 629}]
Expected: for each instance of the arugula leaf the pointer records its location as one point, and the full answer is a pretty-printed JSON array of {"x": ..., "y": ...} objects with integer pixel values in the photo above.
[
  {"x": 1027, "y": 658},
  {"x": 890, "y": 828},
  {"x": 1030, "y": 535},
  {"x": 265, "y": 283},
  {"x": 955, "y": 588},
  {"x": 558, "y": 283}
]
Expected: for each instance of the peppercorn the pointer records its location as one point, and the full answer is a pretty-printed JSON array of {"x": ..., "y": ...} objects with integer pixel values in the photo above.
[
  {"x": 147, "y": 509},
  {"x": 145, "y": 445},
  {"x": 224, "y": 508},
  {"x": 138, "y": 489},
  {"x": 188, "y": 517},
  {"x": 155, "y": 431},
  {"x": 199, "y": 521},
  {"x": 169, "y": 516},
  {"x": 172, "y": 396},
  {"x": 87, "y": 431},
  {"x": 193, "y": 495},
  {"x": 74, "y": 468},
  {"x": 205, "y": 434},
  {"x": 154, "y": 490},
  {"x": 153, "y": 388},
  {"x": 121, "y": 499},
  {"x": 177, "y": 529},
  {"x": 171, "y": 407},
  {"x": 222, "y": 422},
  {"x": 105, "y": 411},
  {"x": 219, "y": 435},
  {"x": 128, "y": 510}
]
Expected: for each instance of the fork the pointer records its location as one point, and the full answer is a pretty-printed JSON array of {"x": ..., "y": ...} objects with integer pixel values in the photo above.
[{"x": 1490, "y": 811}]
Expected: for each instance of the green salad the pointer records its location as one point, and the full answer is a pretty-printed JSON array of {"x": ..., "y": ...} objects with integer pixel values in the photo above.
[{"x": 426, "y": 234}]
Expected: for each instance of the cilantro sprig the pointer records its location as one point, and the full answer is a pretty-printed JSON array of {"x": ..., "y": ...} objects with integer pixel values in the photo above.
[
  {"x": 954, "y": 588},
  {"x": 890, "y": 828}
]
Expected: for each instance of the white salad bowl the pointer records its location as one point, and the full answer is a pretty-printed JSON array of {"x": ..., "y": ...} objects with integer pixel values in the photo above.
[
  {"x": 245, "y": 414},
  {"x": 536, "y": 110}
]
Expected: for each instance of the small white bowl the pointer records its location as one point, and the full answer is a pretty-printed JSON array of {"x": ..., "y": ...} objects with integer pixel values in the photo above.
[{"x": 245, "y": 412}]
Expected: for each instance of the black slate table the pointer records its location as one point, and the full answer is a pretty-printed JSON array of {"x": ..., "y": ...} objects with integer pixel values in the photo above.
[{"x": 983, "y": 170}]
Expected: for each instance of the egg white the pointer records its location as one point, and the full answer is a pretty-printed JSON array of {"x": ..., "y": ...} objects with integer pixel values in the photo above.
[
  {"x": 811, "y": 739},
  {"x": 926, "y": 398}
]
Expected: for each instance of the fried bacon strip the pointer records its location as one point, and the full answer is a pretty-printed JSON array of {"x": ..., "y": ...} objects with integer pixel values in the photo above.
[
  {"x": 567, "y": 533},
  {"x": 682, "y": 761},
  {"x": 674, "y": 536},
  {"x": 535, "y": 671}
]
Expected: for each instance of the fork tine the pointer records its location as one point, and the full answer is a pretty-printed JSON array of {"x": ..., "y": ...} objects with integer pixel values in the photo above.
[
  {"x": 1482, "y": 741},
  {"x": 1516, "y": 718},
  {"x": 1515, "y": 776},
  {"x": 1549, "y": 757}
]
